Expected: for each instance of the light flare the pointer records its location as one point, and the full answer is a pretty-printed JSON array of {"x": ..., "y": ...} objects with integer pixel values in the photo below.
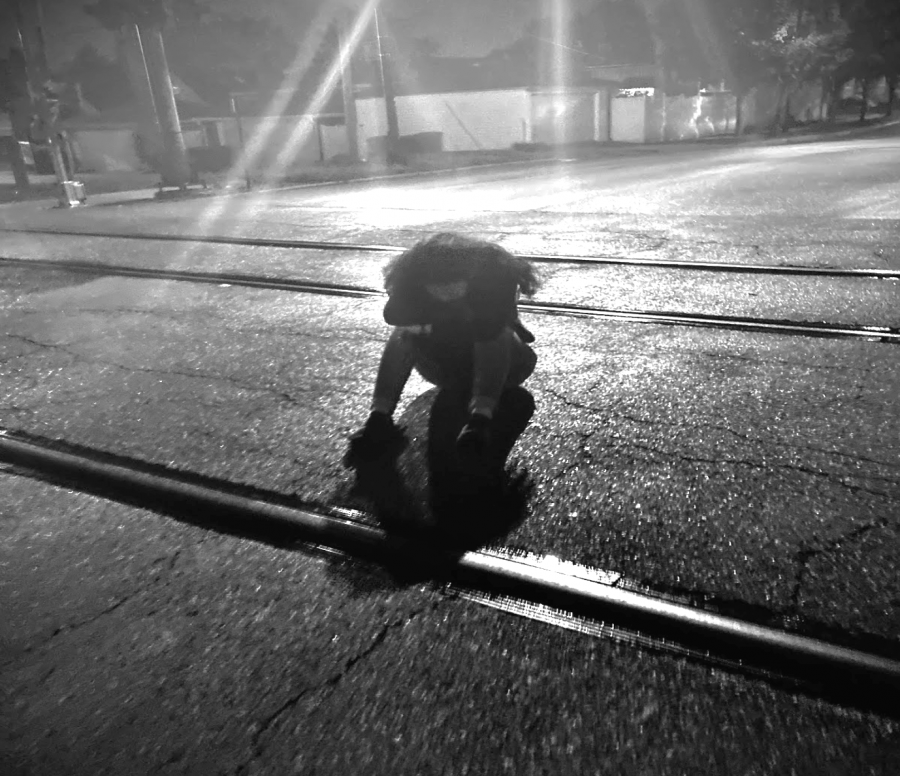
[
  {"x": 303, "y": 129},
  {"x": 221, "y": 209},
  {"x": 561, "y": 58}
]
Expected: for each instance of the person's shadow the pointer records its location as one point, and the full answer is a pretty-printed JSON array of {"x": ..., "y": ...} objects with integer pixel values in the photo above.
[{"x": 427, "y": 491}]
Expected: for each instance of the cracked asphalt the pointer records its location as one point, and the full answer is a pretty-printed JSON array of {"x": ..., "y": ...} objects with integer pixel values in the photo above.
[
  {"x": 169, "y": 649},
  {"x": 758, "y": 470}
]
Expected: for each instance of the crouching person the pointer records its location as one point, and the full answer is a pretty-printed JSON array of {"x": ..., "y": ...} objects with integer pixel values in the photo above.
[{"x": 452, "y": 301}]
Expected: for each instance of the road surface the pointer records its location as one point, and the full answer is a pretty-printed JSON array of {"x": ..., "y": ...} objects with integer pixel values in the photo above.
[{"x": 757, "y": 471}]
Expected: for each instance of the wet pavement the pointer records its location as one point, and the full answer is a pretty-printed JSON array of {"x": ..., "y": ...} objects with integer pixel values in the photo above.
[
  {"x": 164, "y": 648},
  {"x": 731, "y": 464},
  {"x": 830, "y": 203},
  {"x": 860, "y": 300},
  {"x": 759, "y": 470}
]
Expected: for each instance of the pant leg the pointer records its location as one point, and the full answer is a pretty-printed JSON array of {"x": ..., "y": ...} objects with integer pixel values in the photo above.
[
  {"x": 497, "y": 366},
  {"x": 522, "y": 362}
]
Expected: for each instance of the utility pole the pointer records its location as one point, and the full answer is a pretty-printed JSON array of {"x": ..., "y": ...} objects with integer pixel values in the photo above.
[
  {"x": 390, "y": 104},
  {"x": 20, "y": 107},
  {"x": 131, "y": 51},
  {"x": 347, "y": 90},
  {"x": 176, "y": 167},
  {"x": 29, "y": 20}
]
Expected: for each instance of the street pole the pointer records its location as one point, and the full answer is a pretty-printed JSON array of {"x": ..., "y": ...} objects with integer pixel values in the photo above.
[
  {"x": 132, "y": 53},
  {"x": 29, "y": 20},
  {"x": 390, "y": 104},
  {"x": 347, "y": 91},
  {"x": 21, "y": 110},
  {"x": 241, "y": 144},
  {"x": 176, "y": 167}
]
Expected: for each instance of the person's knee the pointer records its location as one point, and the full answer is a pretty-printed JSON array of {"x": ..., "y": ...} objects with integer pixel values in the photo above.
[{"x": 522, "y": 363}]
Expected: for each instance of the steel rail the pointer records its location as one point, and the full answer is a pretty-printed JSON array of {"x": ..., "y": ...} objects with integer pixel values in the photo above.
[
  {"x": 530, "y": 577},
  {"x": 739, "y": 323},
  {"x": 700, "y": 266},
  {"x": 806, "y": 328},
  {"x": 192, "y": 276}
]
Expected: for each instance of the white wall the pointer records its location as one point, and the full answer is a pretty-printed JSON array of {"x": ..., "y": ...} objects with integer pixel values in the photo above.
[
  {"x": 334, "y": 140},
  {"x": 602, "y": 117},
  {"x": 105, "y": 150},
  {"x": 629, "y": 119},
  {"x": 371, "y": 121},
  {"x": 469, "y": 121},
  {"x": 276, "y": 143},
  {"x": 761, "y": 105},
  {"x": 682, "y": 113},
  {"x": 564, "y": 116}
]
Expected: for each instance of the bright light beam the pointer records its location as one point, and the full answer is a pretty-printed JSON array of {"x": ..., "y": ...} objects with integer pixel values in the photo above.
[
  {"x": 222, "y": 208},
  {"x": 561, "y": 70},
  {"x": 559, "y": 33},
  {"x": 303, "y": 129},
  {"x": 257, "y": 144}
]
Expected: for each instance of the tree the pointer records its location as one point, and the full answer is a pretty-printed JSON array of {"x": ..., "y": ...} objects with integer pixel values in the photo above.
[
  {"x": 612, "y": 32},
  {"x": 783, "y": 43},
  {"x": 874, "y": 40},
  {"x": 140, "y": 24},
  {"x": 103, "y": 82},
  {"x": 114, "y": 14}
]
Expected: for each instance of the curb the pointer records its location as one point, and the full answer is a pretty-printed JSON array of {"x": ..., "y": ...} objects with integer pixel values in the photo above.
[{"x": 544, "y": 581}]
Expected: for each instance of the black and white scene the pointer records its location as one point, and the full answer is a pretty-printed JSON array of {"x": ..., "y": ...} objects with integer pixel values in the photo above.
[{"x": 431, "y": 388}]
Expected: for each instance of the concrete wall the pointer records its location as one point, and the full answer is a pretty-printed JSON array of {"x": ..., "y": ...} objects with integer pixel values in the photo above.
[
  {"x": 105, "y": 149},
  {"x": 702, "y": 115},
  {"x": 686, "y": 117},
  {"x": 805, "y": 104},
  {"x": 565, "y": 116},
  {"x": 469, "y": 121},
  {"x": 718, "y": 114},
  {"x": 277, "y": 143},
  {"x": 629, "y": 119},
  {"x": 496, "y": 119}
]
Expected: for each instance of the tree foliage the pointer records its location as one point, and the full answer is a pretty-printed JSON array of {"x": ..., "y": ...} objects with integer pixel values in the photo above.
[
  {"x": 114, "y": 14},
  {"x": 223, "y": 46},
  {"x": 104, "y": 83},
  {"x": 874, "y": 38},
  {"x": 611, "y": 32},
  {"x": 751, "y": 42}
]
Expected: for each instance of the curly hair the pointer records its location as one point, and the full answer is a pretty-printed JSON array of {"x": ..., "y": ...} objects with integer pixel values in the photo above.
[{"x": 448, "y": 256}]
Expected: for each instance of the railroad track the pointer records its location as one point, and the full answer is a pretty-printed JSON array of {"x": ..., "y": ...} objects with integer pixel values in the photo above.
[
  {"x": 308, "y": 286},
  {"x": 864, "y": 673},
  {"x": 836, "y": 666},
  {"x": 599, "y": 259}
]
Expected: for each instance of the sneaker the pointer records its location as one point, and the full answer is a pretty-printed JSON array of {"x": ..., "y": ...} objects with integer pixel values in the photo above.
[
  {"x": 473, "y": 438},
  {"x": 379, "y": 435}
]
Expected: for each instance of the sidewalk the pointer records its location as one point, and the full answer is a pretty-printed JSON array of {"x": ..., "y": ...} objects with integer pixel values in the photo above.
[{"x": 144, "y": 185}]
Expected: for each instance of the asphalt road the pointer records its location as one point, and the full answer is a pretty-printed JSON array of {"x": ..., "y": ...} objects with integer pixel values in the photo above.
[
  {"x": 806, "y": 202},
  {"x": 755, "y": 469}
]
